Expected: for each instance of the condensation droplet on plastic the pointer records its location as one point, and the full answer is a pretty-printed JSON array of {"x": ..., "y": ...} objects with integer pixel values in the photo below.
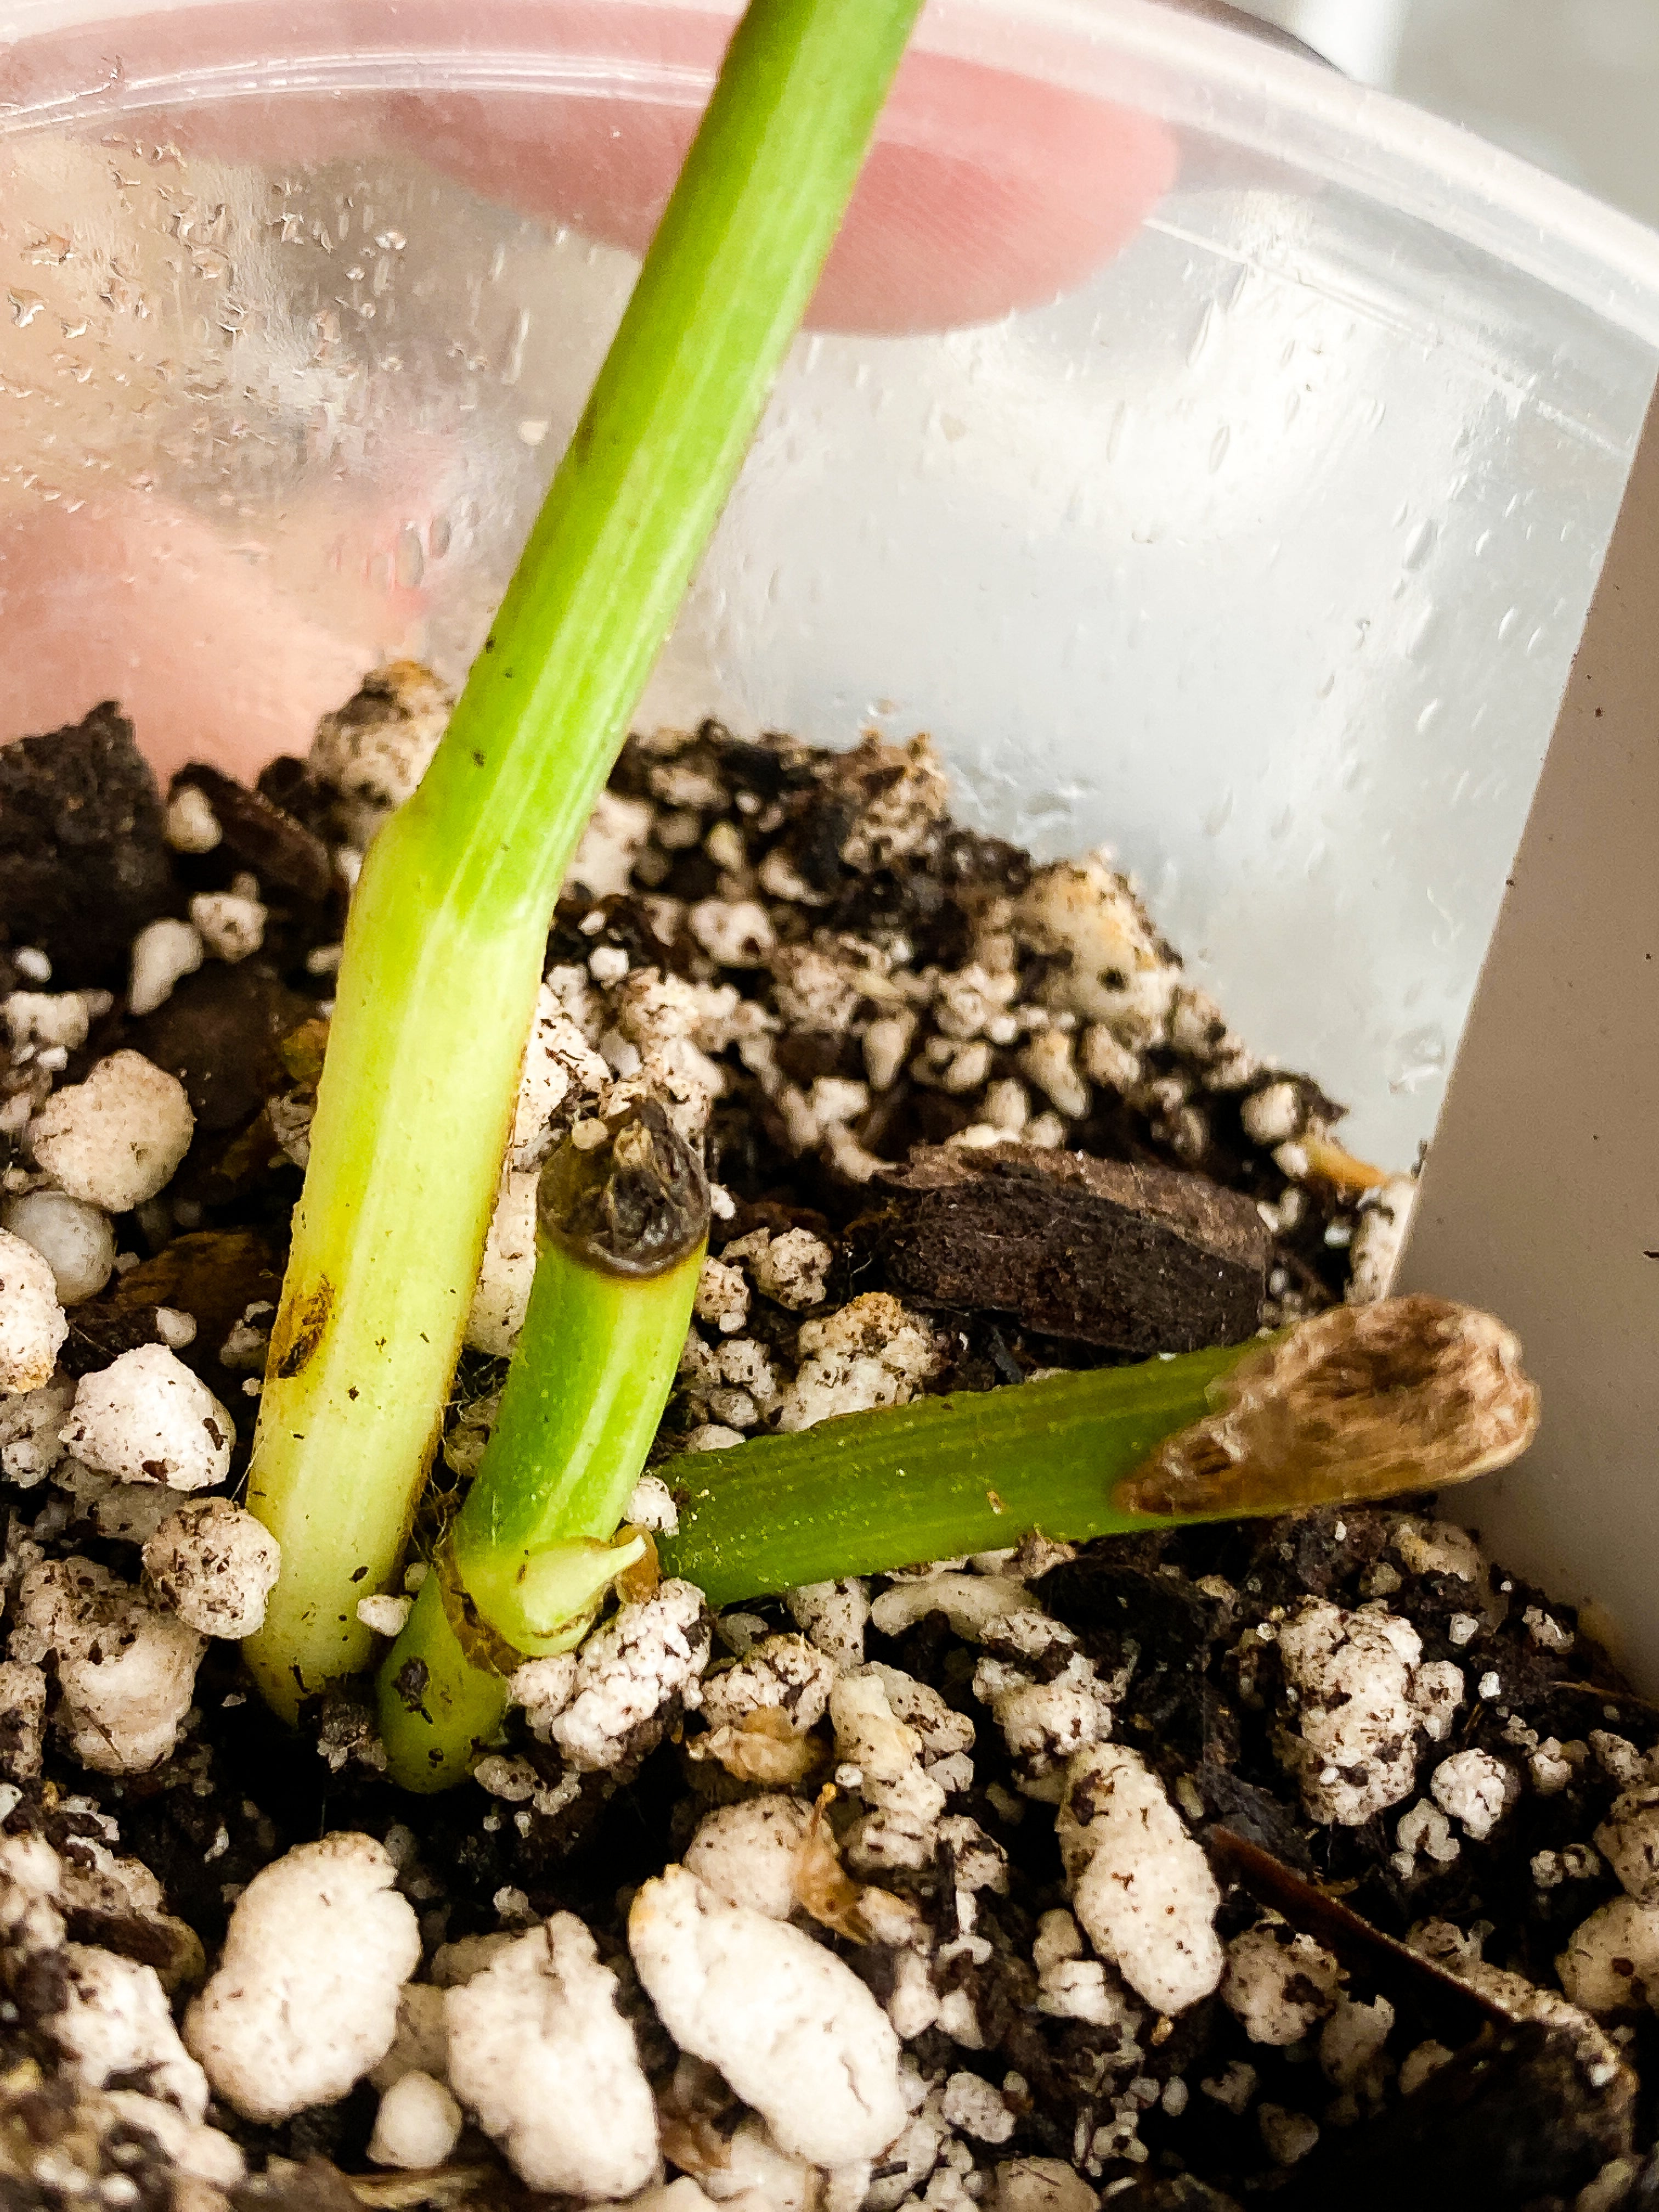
[
  {"x": 24, "y": 307},
  {"x": 1201, "y": 336},
  {"x": 411, "y": 565},
  {"x": 1218, "y": 445},
  {"x": 1417, "y": 1058},
  {"x": 1420, "y": 545},
  {"x": 437, "y": 536},
  {"x": 1428, "y": 718},
  {"x": 1216, "y": 817},
  {"x": 1507, "y": 625}
]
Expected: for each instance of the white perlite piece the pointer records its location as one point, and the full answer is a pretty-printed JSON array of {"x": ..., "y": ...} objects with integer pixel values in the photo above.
[
  {"x": 384, "y": 1614},
  {"x": 785, "y": 1673},
  {"x": 30, "y": 1446},
  {"x": 304, "y": 1999},
  {"x": 1286, "y": 2135},
  {"x": 628, "y": 1670},
  {"x": 609, "y": 844},
  {"x": 76, "y": 1240},
  {"x": 543, "y": 1687},
  {"x": 1438, "y": 1547},
  {"x": 1378, "y": 1235},
  {"x": 115, "y": 1140},
  {"x": 1042, "y": 2185},
  {"x": 417, "y": 2126},
  {"x": 23, "y": 1702},
  {"x": 1120, "y": 972},
  {"x": 32, "y": 1325},
  {"x": 1473, "y": 1787},
  {"x": 1141, "y": 1886},
  {"x": 973, "y": 1604},
  {"x": 833, "y": 1616},
  {"x": 651, "y": 1505},
  {"x": 722, "y": 1296},
  {"x": 1351, "y": 1738},
  {"x": 1611, "y": 1963},
  {"x": 57, "y": 1019},
  {"x": 733, "y": 932},
  {"x": 791, "y": 1269},
  {"x": 116, "y": 2020},
  {"x": 560, "y": 1067},
  {"x": 125, "y": 1671},
  {"x": 507, "y": 1269},
  {"x": 1423, "y": 1828},
  {"x": 231, "y": 926},
  {"x": 872, "y": 1353},
  {"x": 145, "y": 1417},
  {"x": 190, "y": 824},
  {"x": 1629, "y": 1839},
  {"x": 1279, "y": 1985},
  {"x": 539, "y": 2052},
  {"x": 792, "y": 2028},
  {"x": 374, "y": 750},
  {"x": 215, "y": 1565},
  {"x": 163, "y": 953},
  {"x": 746, "y": 1853},
  {"x": 978, "y": 2110},
  {"x": 1351, "y": 2045}
]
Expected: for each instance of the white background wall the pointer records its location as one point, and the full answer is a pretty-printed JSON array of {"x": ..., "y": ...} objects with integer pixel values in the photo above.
[{"x": 1572, "y": 84}]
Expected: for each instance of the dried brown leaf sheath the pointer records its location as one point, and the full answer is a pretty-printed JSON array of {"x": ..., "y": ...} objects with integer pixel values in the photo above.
[{"x": 1407, "y": 1393}]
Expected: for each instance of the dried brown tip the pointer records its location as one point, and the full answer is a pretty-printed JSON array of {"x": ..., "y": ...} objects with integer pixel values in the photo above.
[
  {"x": 635, "y": 1203},
  {"x": 1407, "y": 1393}
]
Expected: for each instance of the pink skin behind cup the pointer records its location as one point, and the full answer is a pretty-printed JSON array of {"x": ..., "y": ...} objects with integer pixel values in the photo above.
[{"x": 986, "y": 194}]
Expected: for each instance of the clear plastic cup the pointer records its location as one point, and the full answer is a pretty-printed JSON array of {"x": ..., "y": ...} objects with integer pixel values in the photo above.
[{"x": 1253, "y": 542}]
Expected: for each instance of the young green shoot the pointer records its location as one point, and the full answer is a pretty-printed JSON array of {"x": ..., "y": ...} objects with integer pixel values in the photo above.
[
  {"x": 444, "y": 943},
  {"x": 621, "y": 1227}
]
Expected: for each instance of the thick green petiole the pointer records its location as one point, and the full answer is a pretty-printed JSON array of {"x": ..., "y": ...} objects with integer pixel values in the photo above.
[
  {"x": 522, "y": 1570},
  {"x": 444, "y": 948},
  {"x": 1353, "y": 1403},
  {"x": 933, "y": 1480}
]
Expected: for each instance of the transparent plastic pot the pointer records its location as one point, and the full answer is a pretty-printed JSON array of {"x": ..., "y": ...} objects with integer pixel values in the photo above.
[{"x": 1214, "y": 456}]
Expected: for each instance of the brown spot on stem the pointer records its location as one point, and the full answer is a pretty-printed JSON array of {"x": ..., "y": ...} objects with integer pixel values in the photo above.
[
  {"x": 635, "y": 1205},
  {"x": 299, "y": 1328},
  {"x": 1361, "y": 1401},
  {"x": 410, "y": 1682}
]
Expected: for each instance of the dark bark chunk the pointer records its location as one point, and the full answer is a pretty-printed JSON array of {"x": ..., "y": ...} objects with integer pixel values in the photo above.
[
  {"x": 1137, "y": 1259},
  {"x": 283, "y": 853}
]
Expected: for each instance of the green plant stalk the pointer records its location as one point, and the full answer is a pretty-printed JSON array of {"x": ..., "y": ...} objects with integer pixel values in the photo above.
[
  {"x": 868, "y": 1493},
  {"x": 524, "y": 1566},
  {"x": 444, "y": 947}
]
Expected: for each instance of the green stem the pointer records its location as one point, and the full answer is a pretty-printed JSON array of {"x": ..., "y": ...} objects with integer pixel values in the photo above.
[
  {"x": 521, "y": 1572},
  {"x": 443, "y": 949},
  {"x": 868, "y": 1492},
  {"x": 1353, "y": 1403}
]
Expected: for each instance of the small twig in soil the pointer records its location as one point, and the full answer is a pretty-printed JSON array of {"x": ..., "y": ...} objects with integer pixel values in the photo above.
[{"x": 445, "y": 946}]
